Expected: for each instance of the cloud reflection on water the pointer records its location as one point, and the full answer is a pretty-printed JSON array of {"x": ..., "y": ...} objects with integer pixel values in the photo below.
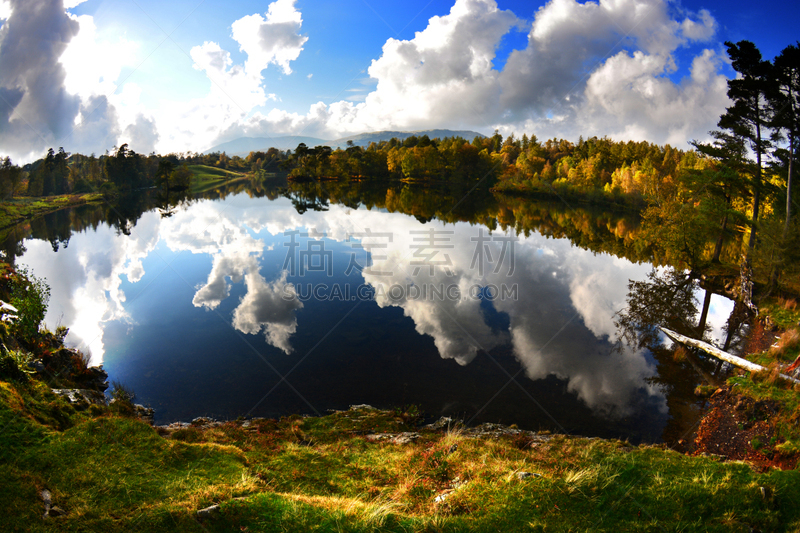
[{"x": 560, "y": 324}]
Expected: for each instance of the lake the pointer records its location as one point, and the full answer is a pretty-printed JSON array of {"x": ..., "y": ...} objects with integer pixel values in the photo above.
[{"x": 269, "y": 299}]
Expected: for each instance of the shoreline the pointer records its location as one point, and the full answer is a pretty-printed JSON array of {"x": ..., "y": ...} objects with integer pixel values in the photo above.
[{"x": 23, "y": 208}]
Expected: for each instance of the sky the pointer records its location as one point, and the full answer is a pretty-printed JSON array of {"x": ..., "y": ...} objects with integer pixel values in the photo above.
[{"x": 186, "y": 75}]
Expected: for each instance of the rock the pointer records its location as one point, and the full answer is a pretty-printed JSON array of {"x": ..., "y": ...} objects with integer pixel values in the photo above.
[
  {"x": 405, "y": 438},
  {"x": 47, "y": 499},
  {"x": 526, "y": 475},
  {"x": 251, "y": 423},
  {"x": 458, "y": 483},
  {"x": 442, "y": 497},
  {"x": 145, "y": 413},
  {"x": 98, "y": 378},
  {"x": 208, "y": 512},
  {"x": 442, "y": 423},
  {"x": 81, "y": 398},
  {"x": 37, "y": 367},
  {"x": 57, "y": 511},
  {"x": 394, "y": 438},
  {"x": 363, "y": 406},
  {"x": 49, "y": 508}
]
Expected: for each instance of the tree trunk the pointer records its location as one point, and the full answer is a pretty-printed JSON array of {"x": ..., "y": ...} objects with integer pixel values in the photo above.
[
  {"x": 720, "y": 240},
  {"x": 751, "y": 245},
  {"x": 719, "y": 354},
  {"x": 789, "y": 186},
  {"x": 701, "y": 325}
]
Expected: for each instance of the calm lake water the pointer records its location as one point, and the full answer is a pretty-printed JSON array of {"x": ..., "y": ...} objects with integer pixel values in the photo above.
[{"x": 280, "y": 301}]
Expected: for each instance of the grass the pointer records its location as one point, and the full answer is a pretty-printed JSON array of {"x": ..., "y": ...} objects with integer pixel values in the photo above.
[
  {"x": 21, "y": 208},
  {"x": 767, "y": 386},
  {"x": 112, "y": 473},
  {"x": 206, "y": 177}
]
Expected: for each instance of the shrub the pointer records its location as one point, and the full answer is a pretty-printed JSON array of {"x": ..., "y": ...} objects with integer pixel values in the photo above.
[{"x": 30, "y": 295}]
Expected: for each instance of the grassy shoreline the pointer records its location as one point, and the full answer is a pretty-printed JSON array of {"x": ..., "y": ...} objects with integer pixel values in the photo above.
[
  {"x": 23, "y": 208},
  {"x": 359, "y": 470}
]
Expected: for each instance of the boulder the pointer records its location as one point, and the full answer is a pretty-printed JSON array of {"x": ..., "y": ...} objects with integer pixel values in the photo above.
[
  {"x": 145, "y": 413},
  {"x": 81, "y": 398},
  {"x": 97, "y": 379}
]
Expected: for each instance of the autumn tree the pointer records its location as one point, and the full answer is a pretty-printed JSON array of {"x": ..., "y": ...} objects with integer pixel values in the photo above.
[{"x": 749, "y": 116}]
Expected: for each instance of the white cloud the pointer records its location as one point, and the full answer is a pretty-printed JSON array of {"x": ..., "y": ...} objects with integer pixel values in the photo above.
[
  {"x": 37, "y": 108},
  {"x": 631, "y": 99},
  {"x": 444, "y": 74},
  {"x": 235, "y": 89},
  {"x": 93, "y": 66},
  {"x": 592, "y": 68},
  {"x": 563, "y": 83},
  {"x": 275, "y": 39}
]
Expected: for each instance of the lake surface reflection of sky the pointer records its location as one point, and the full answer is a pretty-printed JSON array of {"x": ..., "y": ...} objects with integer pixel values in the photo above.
[{"x": 243, "y": 307}]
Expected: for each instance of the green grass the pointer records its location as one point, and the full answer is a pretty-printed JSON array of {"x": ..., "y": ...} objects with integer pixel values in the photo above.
[
  {"x": 206, "y": 177},
  {"x": 22, "y": 208},
  {"x": 112, "y": 473}
]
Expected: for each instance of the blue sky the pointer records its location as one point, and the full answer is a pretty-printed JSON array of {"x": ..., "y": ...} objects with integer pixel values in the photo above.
[{"x": 186, "y": 75}]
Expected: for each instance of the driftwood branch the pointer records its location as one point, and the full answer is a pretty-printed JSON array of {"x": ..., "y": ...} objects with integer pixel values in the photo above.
[{"x": 719, "y": 354}]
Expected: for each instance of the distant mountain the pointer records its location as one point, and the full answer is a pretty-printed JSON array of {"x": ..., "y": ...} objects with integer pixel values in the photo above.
[
  {"x": 244, "y": 145},
  {"x": 363, "y": 139}
]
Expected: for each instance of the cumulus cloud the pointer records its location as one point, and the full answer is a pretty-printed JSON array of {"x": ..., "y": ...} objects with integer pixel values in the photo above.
[
  {"x": 93, "y": 66},
  {"x": 96, "y": 126},
  {"x": 632, "y": 100},
  {"x": 142, "y": 135},
  {"x": 592, "y": 68},
  {"x": 56, "y": 78},
  {"x": 37, "y": 109},
  {"x": 274, "y": 39},
  {"x": 588, "y": 68},
  {"x": 443, "y": 74},
  {"x": 236, "y": 89},
  {"x": 232, "y": 85}
]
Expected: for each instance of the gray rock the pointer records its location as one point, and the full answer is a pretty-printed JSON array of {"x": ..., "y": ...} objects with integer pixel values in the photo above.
[
  {"x": 48, "y": 500},
  {"x": 49, "y": 508},
  {"x": 526, "y": 475},
  {"x": 442, "y": 497},
  {"x": 145, "y": 413},
  {"x": 362, "y": 406},
  {"x": 98, "y": 378},
  {"x": 81, "y": 398},
  {"x": 57, "y": 511},
  {"x": 208, "y": 512},
  {"x": 394, "y": 438},
  {"x": 37, "y": 367},
  {"x": 443, "y": 423},
  {"x": 405, "y": 438}
]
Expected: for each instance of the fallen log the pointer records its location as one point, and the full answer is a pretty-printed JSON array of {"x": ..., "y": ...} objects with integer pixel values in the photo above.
[{"x": 719, "y": 354}]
